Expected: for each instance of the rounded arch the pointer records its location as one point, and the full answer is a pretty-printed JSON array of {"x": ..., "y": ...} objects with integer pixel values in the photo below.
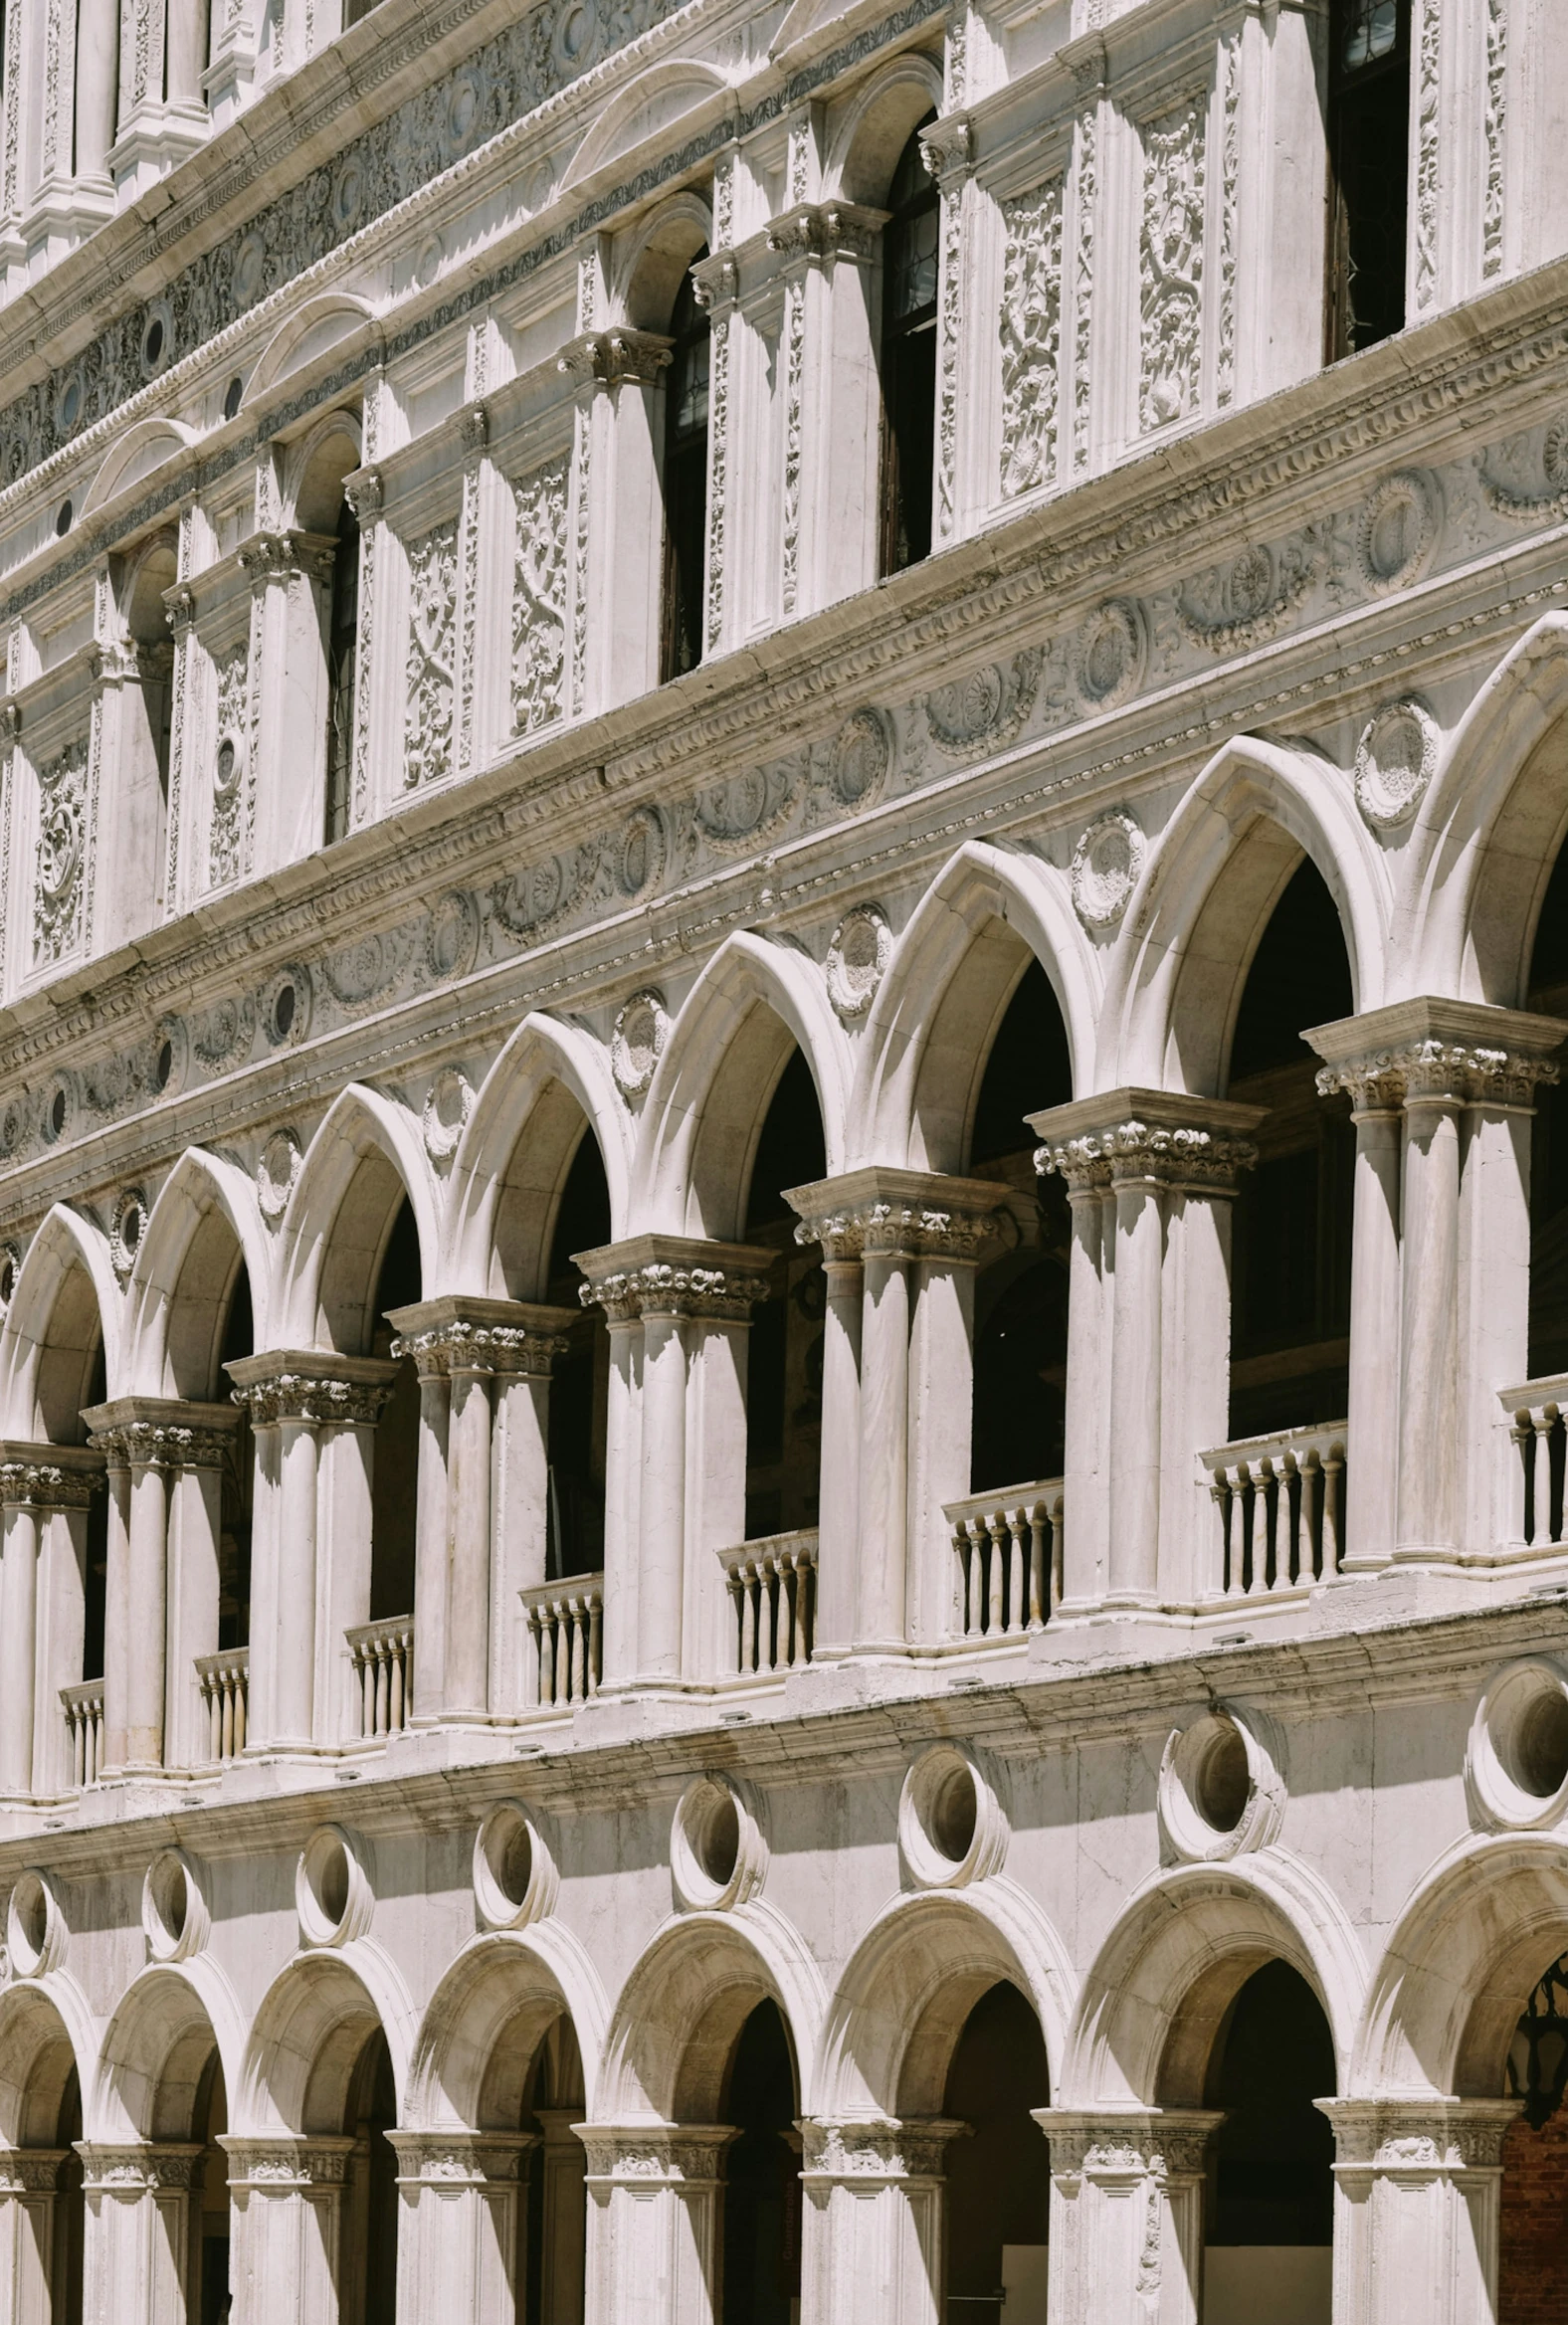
[
  {"x": 485, "y": 2021},
  {"x": 144, "y": 447},
  {"x": 655, "y": 256},
  {"x": 150, "y": 570},
  {"x": 1462, "y": 1960},
  {"x": 46, "y": 2031},
  {"x": 304, "y": 337},
  {"x": 710, "y": 1089},
  {"x": 66, "y": 1299},
  {"x": 968, "y": 941},
  {"x": 1212, "y": 879},
  {"x": 901, "y": 2006},
  {"x": 516, "y": 1149},
  {"x": 165, "y": 2027},
  {"x": 646, "y": 107},
  {"x": 1495, "y": 821},
  {"x": 205, "y": 1223},
  {"x": 365, "y": 1157},
  {"x": 309, "y": 2032},
  {"x": 1181, "y": 1950},
  {"x": 685, "y": 2001},
  {"x": 867, "y": 142}
]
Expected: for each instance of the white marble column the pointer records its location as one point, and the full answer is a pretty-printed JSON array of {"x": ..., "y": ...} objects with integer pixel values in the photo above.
[
  {"x": 690, "y": 1300},
  {"x": 617, "y": 543},
  {"x": 315, "y": 1417},
  {"x": 831, "y": 394},
  {"x": 652, "y": 2221},
  {"x": 1416, "y": 2196},
  {"x": 871, "y": 2227},
  {"x": 1442, "y": 1322},
  {"x": 488, "y": 1510},
  {"x": 29, "y": 2180},
  {"x": 460, "y": 2253},
  {"x": 97, "y": 85},
  {"x": 290, "y": 576},
  {"x": 839, "y": 1233},
  {"x": 1126, "y": 2214},
  {"x": 137, "y": 2251},
  {"x": 287, "y": 2199},
  {"x": 1165, "y": 1166},
  {"x": 44, "y": 1496}
]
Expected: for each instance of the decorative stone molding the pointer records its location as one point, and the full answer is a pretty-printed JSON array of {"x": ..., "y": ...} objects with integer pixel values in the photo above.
[
  {"x": 613, "y": 358},
  {"x": 1396, "y": 759},
  {"x": 953, "y": 1829},
  {"x": 1107, "y": 655},
  {"x": 40, "y": 1477},
  {"x": 449, "y": 1101},
  {"x": 859, "y": 951},
  {"x": 275, "y": 1173},
  {"x": 134, "y": 2168},
  {"x": 1419, "y": 2139},
  {"x": 859, "y": 759},
  {"x": 1106, "y": 866},
  {"x": 881, "y": 1212},
  {"x": 872, "y": 2150},
  {"x": 636, "y": 1042},
  {"x": 1221, "y": 1792},
  {"x": 431, "y": 662},
  {"x": 60, "y": 891},
  {"x": 538, "y": 597},
  {"x": 461, "y": 2159},
  {"x": 826, "y": 231},
  {"x": 1163, "y": 1138},
  {"x": 161, "y": 1433},
  {"x": 279, "y": 2165},
  {"x": 1123, "y": 2144},
  {"x": 126, "y": 1228},
  {"x": 458, "y": 1333},
  {"x": 674, "y": 1276},
  {"x": 31, "y": 2171},
  {"x": 650, "y": 2155},
  {"x": 1170, "y": 263},
  {"x": 984, "y": 710},
  {"x": 1434, "y": 1051},
  {"x": 303, "y": 1384},
  {"x": 1397, "y": 530}
]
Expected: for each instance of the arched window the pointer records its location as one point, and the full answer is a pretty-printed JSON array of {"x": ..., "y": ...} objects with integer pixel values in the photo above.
[
  {"x": 342, "y": 645},
  {"x": 785, "y": 1355},
  {"x": 395, "y": 1479},
  {"x": 908, "y": 358},
  {"x": 580, "y": 1390},
  {"x": 1369, "y": 172},
  {"x": 762, "y": 2193},
  {"x": 999, "y": 2176},
  {"x": 686, "y": 482},
  {"x": 239, "y": 1476},
  {"x": 1269, "y": 2208}
]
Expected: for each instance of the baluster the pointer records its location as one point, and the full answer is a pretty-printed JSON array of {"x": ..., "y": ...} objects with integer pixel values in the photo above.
[
  {"x": 1057, "y": 1556},
  {"x": 748, "y": 1619},
  {"x": 963, "y": 1545},
  {"x": 396, "y": 1712},
  {"x": 993, "y": 1573},
  {"x": 1309, "y": 1555},
  {"x": 242, "y": 1708},
  {"x": 1015, "y": 1522},
  {"x": 224, "y": 1708},
  {"x": 1038, "y": 1585},
  {"x": 777, "y": 1615},
  {"x": 79, "y": 1747},
  {"x": 547, "y": 1656},
  {"x": 578, "y": 1646},
  {"x": 1249, "y": 1494},
  {"x": 594, "y": 1611},
  {"x": 1541, "y": 1481}
]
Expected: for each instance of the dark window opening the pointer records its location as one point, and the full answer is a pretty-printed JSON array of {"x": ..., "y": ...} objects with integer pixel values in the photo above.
[
  {"x": 342, "y": 648},
  {"x": 784, "y": 1357},
  {"x": 1291, "y": 1219},
  {"x": 1270, "y": 2162},
  {"x": 580, "y": 1387},
  {"x": 1021, "y": 1291},
  {"x": 908, "y": 358},
  {"x": 70, "y": 2237},
  {"x": 394, "y": 1494},
  {"x": 370, "y": 2200},
  {"x": 685, "y": 477},
  {"x": 234, "y": 1541},
  {"x": 210, "y": 2198},
  {"x": 1532, "y": 2246},
  {"x": 762, "y": 2193},
  {"x": 1368, "y": 172},
  {"x": 999, "y": 2176},
  {"x": 95, "y": 1580}
]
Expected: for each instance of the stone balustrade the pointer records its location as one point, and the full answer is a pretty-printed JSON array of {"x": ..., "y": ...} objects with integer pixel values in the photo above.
[
  {"x": 224, "y": 1683},
  {"x": 1281, "y": 1503},
  {"x": 1537, "y": 1418},
  {"x": 773, "y": 1587},
  {"x": 382, "y": 1654},
  {"x": 566, "y": 1640},
  {"x": 1008, "y": 1547},
  {"x": 82, "y": 1706}
]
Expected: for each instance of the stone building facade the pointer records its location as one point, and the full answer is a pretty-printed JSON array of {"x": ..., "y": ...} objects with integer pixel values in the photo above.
[{"x": 783, "y": 1190}]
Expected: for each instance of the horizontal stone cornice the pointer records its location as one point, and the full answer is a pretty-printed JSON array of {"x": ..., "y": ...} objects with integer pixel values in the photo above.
[
  {"x": 882, "y": 1213},
  {"x": 1166, "y": 1138},
  {"x": 303, "y": 1384},
  {"x": 45, "y": 1477},
  {"x": 1436, "y": 1052},
  {"x": 674, "y": 1276},
  {"x": 457, "y": 1334}
]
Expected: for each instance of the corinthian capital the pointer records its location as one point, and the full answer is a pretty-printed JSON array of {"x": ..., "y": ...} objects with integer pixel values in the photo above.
[
  {"x": 45, "y": 1477},
  {"x": 616, "y": 355},
  {"x": 454, "y": 1334},
  {"x": 882, "y": 1213},
  {"x": 307, "y": 1384},
  {"x": 1163, "y": 1138},
  {"x": 674, "y": 1276},
  {"x": 162, "y": 1433},
  {"x": 825, "y": 230},
  {"x": 1435, "y": 1052}
]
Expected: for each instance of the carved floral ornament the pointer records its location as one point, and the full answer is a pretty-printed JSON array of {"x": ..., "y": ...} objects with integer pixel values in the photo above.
[
  {"x": 460, "y": 1347},
  {"x": 859, "y": 951},
  {"x": 872, "y": 2149},
  {"x": 126, "y": 1229},
  {"x": 663, "y": 1287},
  {"x": 983, "y": 709},
  {"x": 1168, "y": 1156},
  {"x": 1398, "y": 529},
  {"x": 449, "y": 1101},
  {"x": 275, "y": 1174},
  {"x": 1436, "y": 1071},
  {"x": 1107, "y": 655},
  {"x": 1107, "y": 864},
  {"x": 1396, "y": 759},
  {"x": 860, "y": 757},
  {"x": 636, "y": 1042}
]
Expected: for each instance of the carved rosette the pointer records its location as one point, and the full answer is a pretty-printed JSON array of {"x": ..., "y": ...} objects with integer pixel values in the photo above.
[
  {"x": 867, "y": 2151},
  {"x": 636, "y": 1042},
  {"x": 856, "y": 960},
  {"x": 1396, "y": 759},
  {"x": 1107, "y": 865}
]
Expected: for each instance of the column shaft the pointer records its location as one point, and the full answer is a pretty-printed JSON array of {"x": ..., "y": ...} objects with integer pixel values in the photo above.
[
  {"x": 148, "y": 1570},
  {"x": 97, "y": 84},
  {"x": 1087, "y": 1431},
  {"x": 871, "y": 2230},
  {"x": 137, "y": 2257},
  {"x": 652, "y": 2219},
  {"x": 1417, "y": 2195},
  {"x": 1374, "y": 1336},
  {"x": 28, "y": 2199},
  {"x": 286, "y": 2222},
  {"x": 1428, "y": 1355},
  {"x": 884, "y": 1452},
  {"x": 294, "y": 1693},
  {"x": 430, "y": 1544},
  {"x": 117, "y": 1617},
  {"x": 466, "y": 1688},
  {"x": 663, "y": 1497},
  {"x": 1135, "y": 1378},
  {"x": 838, "y": 1524},
  {"x": 18, "y": 1647},
  {"x": 459, "y": 2255}
]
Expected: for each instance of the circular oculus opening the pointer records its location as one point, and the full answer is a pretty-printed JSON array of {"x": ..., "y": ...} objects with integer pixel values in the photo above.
[
  {"x": 1224, "y": 1782},
  {"x": 7, "y": 1279},
  {"x": 716, "y": 1841},
  {"x": 284, "y": 1011},
  {"x": 64, "y": 519},
  {"x": 231, "y": 396},
  {"x": 130, "y": 1226},
  {"x": 164, "y": 1065},
  {"x": 57, "y": 1113},
  {"x": 1535, "y": 1751},
  {"x": 953, "y": 1814},
  {"x": 509, "y": 1853},
  {"x": 29, "y": 1907},
  {"x": 153, "y": 343},
  {"x": 170, "y": 1893}
]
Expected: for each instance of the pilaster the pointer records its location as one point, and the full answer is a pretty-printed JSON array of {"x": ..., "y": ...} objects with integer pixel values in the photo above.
[
  {"x": 653, "y": 2221},
  {"x": 290, "y": 575},
  {"x": 617, "y": 513},
  {"x": 45, "y": 1493},
  {"x": 1417, "y": 2194},
  {"x": 286, "y": 2198},
  {"x": 872, "y": 2218},
  {"x": 138, "y": 2256},
  {"x": 459, "y": 2251},
  {"x": 1126, "y": 2214}
]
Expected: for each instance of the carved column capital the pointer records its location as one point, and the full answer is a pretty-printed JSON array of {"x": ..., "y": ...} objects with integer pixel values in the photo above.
[
  {"x": 1418, "y": 2140},
  {"x": 457, "y": 1334},
  {"x": 460, "y": 2159},
  {"x": 1434, "y": 1051},
  {"x": 303, "y": 1384},
  {"x": 365, "y": 493},
  {"x": 882, "y": 1213},
  {"x": 674, "y": 1276},
  {"x": 162, "y": 1433},
  {"x": 45, "y": 1477},
  {"x": 135, "y": 2168},
  {"x": 655, "y": 2155},
  {"x": 814, "y": 232},
  {"x": 281, "y": 556},
  {"x": 1159, "y": 1138},
  {"x": 283, "y": 2164},
  {"x": 716, "y": 282},
  {"x": 605, "y": 358},
  {"x": 1117, "y": 2144},
  {"x": 876, "y": 2150},
  {"x": 949, "y": 149}
]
